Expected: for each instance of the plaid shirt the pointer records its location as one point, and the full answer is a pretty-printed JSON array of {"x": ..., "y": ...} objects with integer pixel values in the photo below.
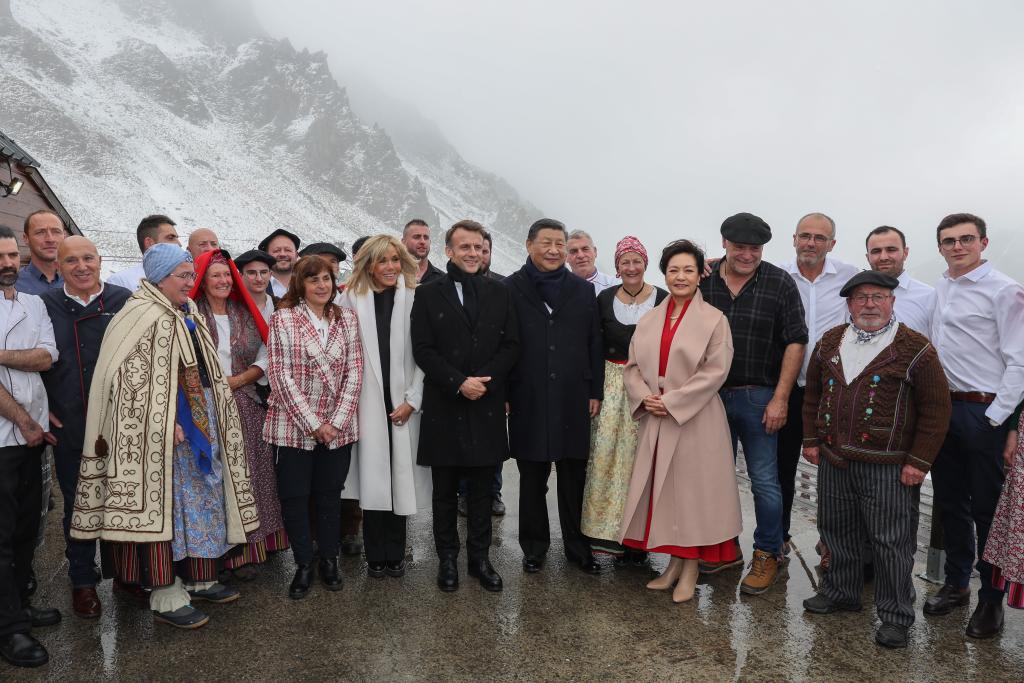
[
  {"x": 765, "y": 318},
  {"x": 312, "y": 383}
]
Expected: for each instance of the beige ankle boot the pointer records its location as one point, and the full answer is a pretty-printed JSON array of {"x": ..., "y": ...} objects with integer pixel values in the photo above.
[
  {"x": 687, "y": 581},
  {"x": 666, "y": 580}
]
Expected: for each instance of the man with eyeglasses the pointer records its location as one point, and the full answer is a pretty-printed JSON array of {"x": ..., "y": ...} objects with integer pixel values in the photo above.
[
  {"x": 875, "y": 412},
  {"x": 819, "y": 277},
  {"x": 255, "y": 265},
  {"x": 978, "y": 329},
  {"x": 887, "y": 253}
]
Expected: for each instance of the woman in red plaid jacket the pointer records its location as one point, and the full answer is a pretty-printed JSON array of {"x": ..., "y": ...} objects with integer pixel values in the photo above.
[{"x": 315, "y": 372}]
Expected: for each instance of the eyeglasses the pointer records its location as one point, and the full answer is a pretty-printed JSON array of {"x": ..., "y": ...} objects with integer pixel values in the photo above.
[
  {"x": 876, "y": 299},
  {"x": 950, "y": 242},
  {"x": 808, "y": 237},
  {"x": 191, "y": 277},
  {"x": 256, "y": 273}
]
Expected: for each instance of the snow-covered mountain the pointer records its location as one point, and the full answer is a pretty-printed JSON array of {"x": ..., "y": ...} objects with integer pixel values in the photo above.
[{"x": 187, "y": 108}]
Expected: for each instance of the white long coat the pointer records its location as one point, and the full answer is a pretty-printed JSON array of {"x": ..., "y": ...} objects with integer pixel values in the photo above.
[{"x": 380, "y": 480}]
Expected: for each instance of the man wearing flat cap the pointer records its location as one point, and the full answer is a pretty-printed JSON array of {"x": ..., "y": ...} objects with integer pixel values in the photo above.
[
  {"x": 769, "y": 334},
  {"x": 284, "y": 247},
  {"x": 876, "y": 410}
]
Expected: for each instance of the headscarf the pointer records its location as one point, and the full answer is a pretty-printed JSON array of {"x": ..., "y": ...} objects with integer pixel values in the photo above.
[
  {"x": 238, "y": 291},
  {"x": 629, "y": 244},
  {"x": 160, "y": 260}
]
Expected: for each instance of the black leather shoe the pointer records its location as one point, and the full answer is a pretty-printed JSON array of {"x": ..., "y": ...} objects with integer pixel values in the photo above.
[
  {"x": 532, "y": 565},
  {"x": 946, "y": 599},
  {"x": 891, "y": 635},
  {"x": 330, "y": 577},
  {"x": 300, "y": 584},
  {"x": 45, "y": 616},
  {"x": 497, "y": 505},
  {"x": 820, "y": 604},
  {"x": 447, "y": 575},
  {"x": 21, "y": 649},
  {"x": 395, "y": 570},
  {"x": 485, "y": 573},
  {"x": 986, "y": 621},
  {"x": 351, "y": 545},
  {"x": 590, "y": 565},
  {"x": 375, "y": 569}
]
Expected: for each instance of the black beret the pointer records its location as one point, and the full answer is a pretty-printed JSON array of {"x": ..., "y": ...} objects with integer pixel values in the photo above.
[
  {"x": 323, "y": 248},
  {"x": 746, "y": 228},
  {"x": 868, "y": 277},
  {"x": 254, "y": 255},
  {"x": 360, "y": 241},
  {"x": 280, "y": 232}
]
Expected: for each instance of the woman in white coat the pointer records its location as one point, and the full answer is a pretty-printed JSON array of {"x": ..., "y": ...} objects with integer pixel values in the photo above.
[{"x": 384, "y": 476}]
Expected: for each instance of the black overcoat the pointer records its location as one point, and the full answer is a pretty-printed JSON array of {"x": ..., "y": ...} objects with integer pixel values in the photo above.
[
  {"x": 560, "y": 368},
  {"x": 455, "y": 431}
]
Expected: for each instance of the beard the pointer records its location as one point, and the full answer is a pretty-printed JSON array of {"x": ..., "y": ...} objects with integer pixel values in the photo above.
[{"x": 8, "y": 276}]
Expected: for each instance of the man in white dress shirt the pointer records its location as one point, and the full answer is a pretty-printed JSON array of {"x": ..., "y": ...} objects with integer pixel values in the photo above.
[
  {"x": 582, "y": 259},
  {"x": 819, "y": 277},
  {"x": 978, "y": 329},
  {"x": 152, "y": 230},
  {"x": 887, "y": 253},
  {"x": 255, "y": 265}
]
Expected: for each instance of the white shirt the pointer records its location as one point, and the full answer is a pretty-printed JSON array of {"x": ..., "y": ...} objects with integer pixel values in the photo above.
[
  {"x": 321, "y": 325},
  {"x": 856, "y": 356},
  {"x": 92, "y": 297},
  {"x": 224, "y": 347},
  {"x": 277, "y": 288},
  {"x": 978, "y": 330},
  {"x": 630, "y": 314},
  {"x": 458, "y": 291},
  {"x": 601, "y": 281},
  {"x": 24, "y": 324},
  {"x": 267, "y": 309},
  {"x": 128, "y": 278},
  {"x": 915, "y": 302},
  {"x": 823, "y": 307}
]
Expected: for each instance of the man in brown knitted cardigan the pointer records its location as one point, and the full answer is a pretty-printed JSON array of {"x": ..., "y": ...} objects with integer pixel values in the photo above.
[{"x": 875, "y": 411}]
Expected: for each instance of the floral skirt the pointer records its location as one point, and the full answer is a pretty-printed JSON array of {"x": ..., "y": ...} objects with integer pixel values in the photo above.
[
  {"x": 1004, "y": 549},
  {"x": 613, "y": 439}
]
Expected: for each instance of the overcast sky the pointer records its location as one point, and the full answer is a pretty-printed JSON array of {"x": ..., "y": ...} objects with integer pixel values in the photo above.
[{"x": 660, "y": 119}]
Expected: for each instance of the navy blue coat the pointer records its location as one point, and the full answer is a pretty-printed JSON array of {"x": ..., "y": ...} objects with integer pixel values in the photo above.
[
  {"x": 78, "y": 331},
  {"x": 560, "y": 368}
]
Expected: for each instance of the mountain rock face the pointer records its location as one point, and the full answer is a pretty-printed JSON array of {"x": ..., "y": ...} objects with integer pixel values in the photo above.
[{"x": 187, "y": 108}]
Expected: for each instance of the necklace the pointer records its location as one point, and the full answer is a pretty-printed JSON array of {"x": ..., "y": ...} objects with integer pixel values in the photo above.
[{"x": 634, "y": 295}]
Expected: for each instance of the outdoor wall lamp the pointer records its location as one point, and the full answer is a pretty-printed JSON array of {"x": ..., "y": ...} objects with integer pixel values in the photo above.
[{"x": 12, "y": 188}]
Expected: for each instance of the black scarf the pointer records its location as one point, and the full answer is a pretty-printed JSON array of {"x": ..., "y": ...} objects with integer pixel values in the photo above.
[
  {"x": 548, "y": 284},
  {"x": 470, "y": 297}
]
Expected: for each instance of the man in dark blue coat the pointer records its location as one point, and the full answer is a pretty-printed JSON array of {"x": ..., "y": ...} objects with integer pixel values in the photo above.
[
  {"x": 80, "y": 312},
  {"x": 554, "y": 391}
]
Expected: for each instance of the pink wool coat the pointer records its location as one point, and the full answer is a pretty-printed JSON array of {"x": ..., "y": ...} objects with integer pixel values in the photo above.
[{"x": 696, "y": 499}]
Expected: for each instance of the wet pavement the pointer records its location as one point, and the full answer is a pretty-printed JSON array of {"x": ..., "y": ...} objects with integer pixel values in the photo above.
[{"x": 558, "y": 625}]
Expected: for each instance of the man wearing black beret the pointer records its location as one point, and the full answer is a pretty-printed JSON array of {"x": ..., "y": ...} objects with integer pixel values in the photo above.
[
  {"x": 255, "y": 265},
  {"x": 877, "y": 407},
  {"x": 283, "y": 246},
  {"x": 769, "y": 334}
]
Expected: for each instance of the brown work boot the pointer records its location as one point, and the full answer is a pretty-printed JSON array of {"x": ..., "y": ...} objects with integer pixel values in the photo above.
[{"x": 764, "y": 570}]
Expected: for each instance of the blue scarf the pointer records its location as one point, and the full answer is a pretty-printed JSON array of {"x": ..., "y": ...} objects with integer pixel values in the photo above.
[
  {"x": 548, "y": 283},
  {"x": 190, "y": 396}
]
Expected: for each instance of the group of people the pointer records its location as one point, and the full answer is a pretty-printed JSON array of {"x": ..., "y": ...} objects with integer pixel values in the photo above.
[{"x": 206, "y": 411}]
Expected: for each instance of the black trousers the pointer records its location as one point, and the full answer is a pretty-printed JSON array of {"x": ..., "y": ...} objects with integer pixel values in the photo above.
[
  {"x": 81, "y": 555},
  {"x": 383, "y": 536},
  {"x": 478, "y": 507},
  {"x": 21, "y": 490},
  {"x": 319, "y": 475},
  {"x": 791, "y": 439},
  {"x": 534, "y": 529},
  {"x": 968, "y": 478}
]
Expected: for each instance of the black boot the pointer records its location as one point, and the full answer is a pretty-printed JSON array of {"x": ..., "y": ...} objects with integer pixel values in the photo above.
[
  {"x": 485, "y": 573},
  {"x": 300, "y": 584},
  {"x": 330, "y": 577},
  {"x": 21, "y": 649},
  {"x": 447, "y": 574}
]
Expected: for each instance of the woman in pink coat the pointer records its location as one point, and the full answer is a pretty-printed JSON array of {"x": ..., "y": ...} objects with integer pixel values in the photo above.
[{"x": 683, "y": 499}]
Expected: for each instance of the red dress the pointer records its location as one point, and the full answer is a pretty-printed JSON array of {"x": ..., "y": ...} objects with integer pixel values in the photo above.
[{"x": 720, "y": 552}]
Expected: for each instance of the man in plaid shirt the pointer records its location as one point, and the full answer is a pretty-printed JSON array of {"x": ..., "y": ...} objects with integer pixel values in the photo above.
[{"x": 769, "y": 334}]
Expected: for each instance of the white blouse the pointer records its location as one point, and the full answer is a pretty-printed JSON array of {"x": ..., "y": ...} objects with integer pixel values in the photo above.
[{"x": 630, "y": 314}]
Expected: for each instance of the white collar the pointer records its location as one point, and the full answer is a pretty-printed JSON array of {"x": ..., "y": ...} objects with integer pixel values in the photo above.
[
  {"x": 983, "y": 269},
  {"x": 83, "y": 301}
]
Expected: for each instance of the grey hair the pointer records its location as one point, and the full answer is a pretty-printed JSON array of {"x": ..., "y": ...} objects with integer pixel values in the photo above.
[
  {"x": 581, "y": 235},
  {"x": 819, "y": 215}
]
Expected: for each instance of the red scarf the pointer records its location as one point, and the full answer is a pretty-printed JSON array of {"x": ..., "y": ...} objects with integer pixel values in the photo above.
[{"x": 238, "y": 291}]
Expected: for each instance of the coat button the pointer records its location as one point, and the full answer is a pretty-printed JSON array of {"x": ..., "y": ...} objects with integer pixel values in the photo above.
[
  {"x": 552, "y": 375},
  {"x": 552, "y": 347},
  {"x": 551, "y": 322}
]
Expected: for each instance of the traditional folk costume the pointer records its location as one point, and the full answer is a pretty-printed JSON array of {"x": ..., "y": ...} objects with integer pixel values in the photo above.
[
  {"x": 169, "y": 512},
  {"x": 1005, "y": 549},
  {"x": 683, "y": 498},
  {"x": 240, "y": 337}
]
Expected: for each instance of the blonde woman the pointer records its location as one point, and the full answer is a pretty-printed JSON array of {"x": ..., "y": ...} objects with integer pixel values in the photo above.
[{"x": 384, "y": 476}]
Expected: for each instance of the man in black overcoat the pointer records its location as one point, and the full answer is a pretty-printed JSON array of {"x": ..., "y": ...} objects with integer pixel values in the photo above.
[
  {"x": 80, "y": 312},
  {"x": 554, "y": 391},
  {"x": 465, "y": 337}
]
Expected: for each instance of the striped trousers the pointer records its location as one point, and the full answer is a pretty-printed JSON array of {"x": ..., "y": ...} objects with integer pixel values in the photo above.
[{"x": 865, "y": 503}]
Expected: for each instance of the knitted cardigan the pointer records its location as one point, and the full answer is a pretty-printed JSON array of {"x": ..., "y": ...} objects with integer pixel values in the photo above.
[{"x": 896, "y": 411}]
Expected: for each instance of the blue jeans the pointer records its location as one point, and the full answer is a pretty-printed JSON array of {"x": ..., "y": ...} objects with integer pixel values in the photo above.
[{"x": 744, "y": 407}]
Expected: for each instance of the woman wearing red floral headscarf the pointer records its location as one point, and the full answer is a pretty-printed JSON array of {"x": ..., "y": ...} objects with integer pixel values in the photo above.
[
  {"x": 613, "y": 432},
  {"x": 240, "y": 334}
]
